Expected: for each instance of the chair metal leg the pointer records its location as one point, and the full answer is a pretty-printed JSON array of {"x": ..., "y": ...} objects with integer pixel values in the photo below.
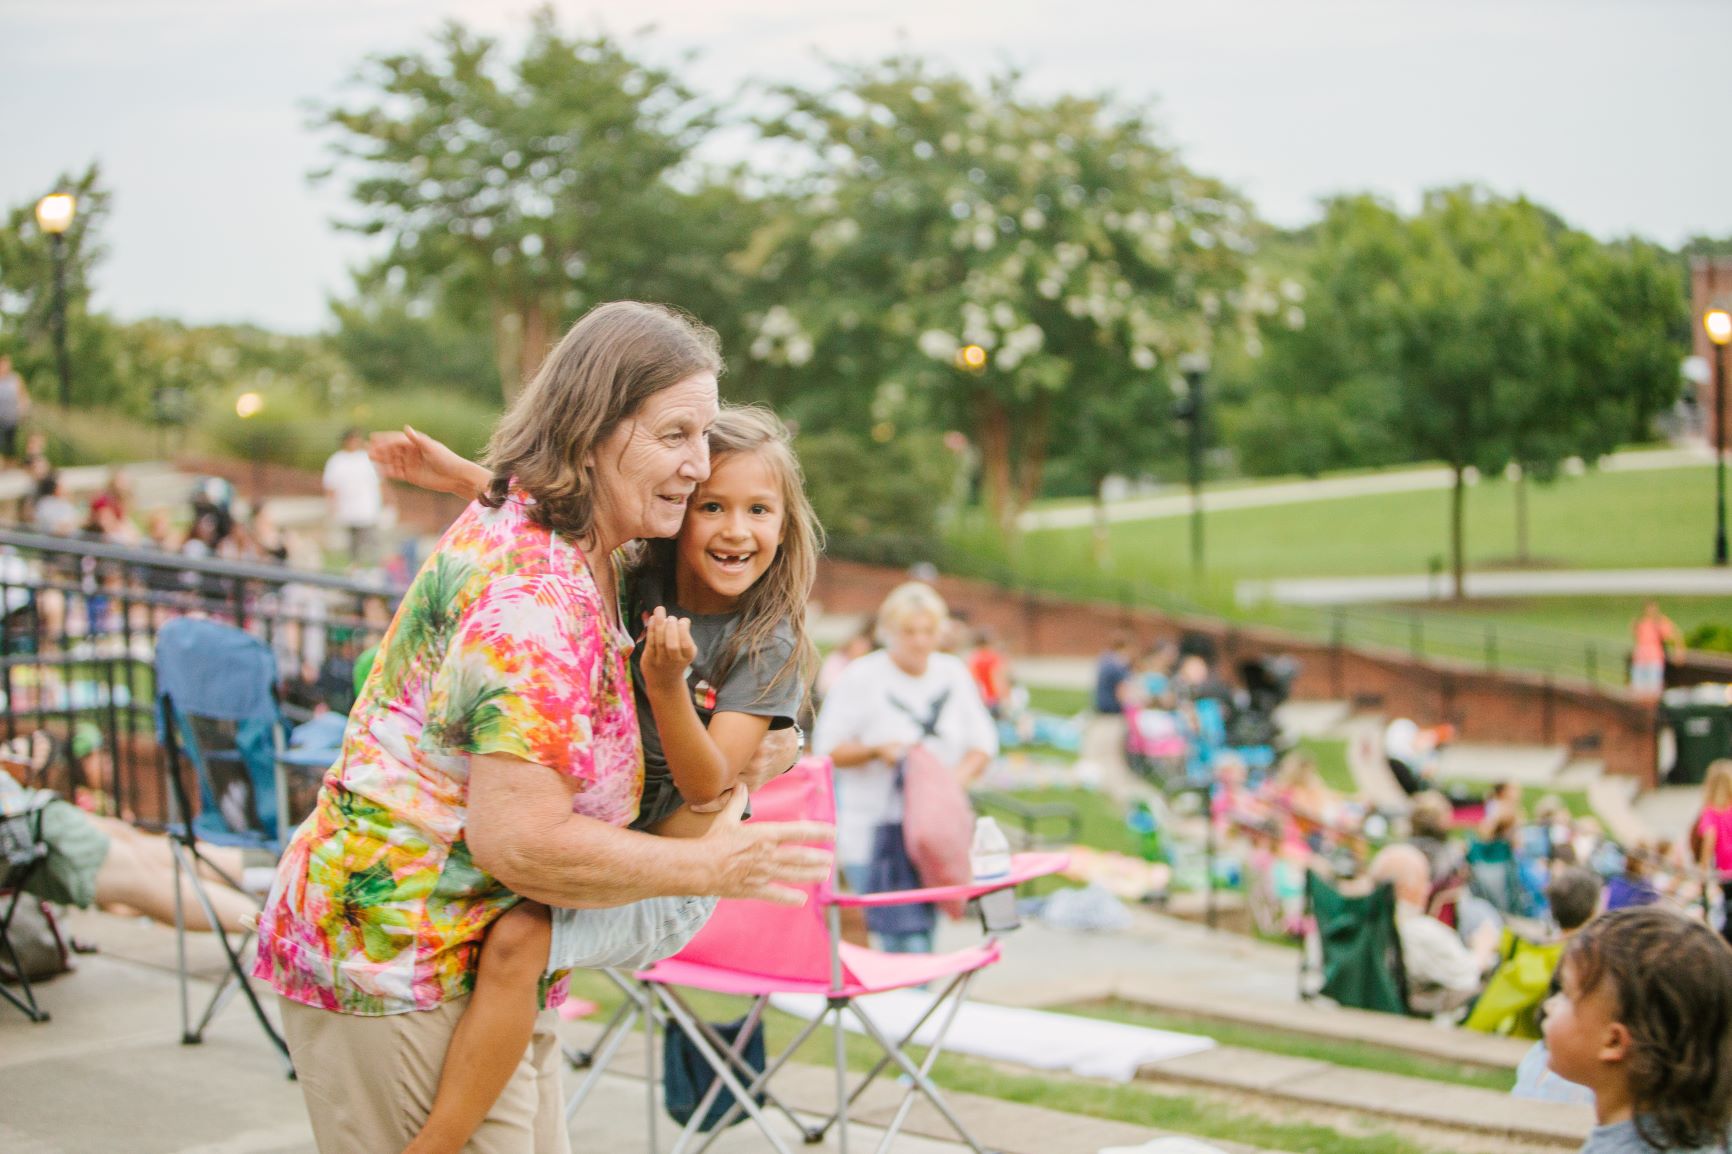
[
  {"x": 724, "y": 1071},
  {"x": 872, "y": 1074},
  {"x": 926, "y": 1065},
  {"x": 760, "y": 1084},
  {"x": 27, "y": 1002},
  {"x": 918, "y": 1075},
  {"x": 235, "y": 977},
  {"x": 842, "y": 1099}
]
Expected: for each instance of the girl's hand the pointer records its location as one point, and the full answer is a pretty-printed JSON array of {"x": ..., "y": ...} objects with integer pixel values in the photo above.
[
  {"x": 668, "y": 650},
  {"x": 419, "y": 460}
]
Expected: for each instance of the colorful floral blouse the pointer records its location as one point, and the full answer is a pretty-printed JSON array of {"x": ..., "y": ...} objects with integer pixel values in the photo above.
[{"x": 501, "y": 646}]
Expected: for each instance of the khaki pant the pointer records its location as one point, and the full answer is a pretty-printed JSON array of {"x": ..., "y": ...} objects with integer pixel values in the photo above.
[{"x": 369, "y": 1081}]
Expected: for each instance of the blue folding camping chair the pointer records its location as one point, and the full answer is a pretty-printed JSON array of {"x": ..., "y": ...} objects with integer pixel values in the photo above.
[{"x": 217, "y": 716}]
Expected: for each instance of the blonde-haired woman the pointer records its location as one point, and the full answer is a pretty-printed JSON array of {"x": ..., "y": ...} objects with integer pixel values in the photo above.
[
  {"x": 906, "y": 693},
  {"x": 1711, "y": 836}
]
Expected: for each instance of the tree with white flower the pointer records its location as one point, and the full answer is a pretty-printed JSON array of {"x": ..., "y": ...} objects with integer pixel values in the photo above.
[{"x": 972, "y": 256}]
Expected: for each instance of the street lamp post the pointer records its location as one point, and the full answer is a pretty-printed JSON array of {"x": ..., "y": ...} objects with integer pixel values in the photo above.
[
  {"x": 54, "y": 214},
  {"x": 1194, "y": 367},
  {"x": 248, "y": 406},
  {"x": 1718, "y": 322}
]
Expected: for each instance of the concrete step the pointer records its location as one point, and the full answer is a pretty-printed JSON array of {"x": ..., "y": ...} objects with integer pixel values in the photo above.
[
  {"x": 1613, "y": 799},
  {"x": 1002, "y": 1126},
  {"x": 1530, "y": 765},
  {"x": 1300, "y": 719},
  {"x": 1669, "y": 811},
  {"x": 1441, "y": 1104},
  {"x": 1580, "y": 774},
  {"x": 1414, "y": 1036}
]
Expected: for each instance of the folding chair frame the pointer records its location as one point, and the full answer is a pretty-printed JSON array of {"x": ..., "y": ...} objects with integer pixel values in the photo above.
[
  {"x": 189, "y": 860},
  {"x": 22, "y": 860},
  {"x": 732, "y": 1071}
]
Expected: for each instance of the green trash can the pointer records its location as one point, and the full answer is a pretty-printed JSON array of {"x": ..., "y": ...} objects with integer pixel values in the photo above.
[{"x": 1700, "y": 719}]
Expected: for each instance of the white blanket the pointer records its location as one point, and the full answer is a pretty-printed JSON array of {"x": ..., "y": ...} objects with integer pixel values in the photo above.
[{"x": 1034, "y": 1038}]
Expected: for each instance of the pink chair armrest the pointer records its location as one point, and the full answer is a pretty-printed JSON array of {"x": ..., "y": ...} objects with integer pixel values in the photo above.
[{"x": 1023, "y": 867}]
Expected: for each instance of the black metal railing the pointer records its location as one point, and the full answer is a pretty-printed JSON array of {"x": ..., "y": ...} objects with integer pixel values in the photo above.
[{"x": 78, "y": 625}]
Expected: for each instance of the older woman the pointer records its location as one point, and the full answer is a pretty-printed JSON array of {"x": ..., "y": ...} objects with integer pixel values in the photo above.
[
  {"x": 494, "y": 750},
  {"x": 882, "y": 704}
]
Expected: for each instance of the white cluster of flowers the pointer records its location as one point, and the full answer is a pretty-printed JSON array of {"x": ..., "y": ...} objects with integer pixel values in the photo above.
[{"x": 780, "y": 339}]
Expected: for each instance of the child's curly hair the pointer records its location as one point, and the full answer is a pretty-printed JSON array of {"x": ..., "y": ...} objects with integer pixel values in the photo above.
[{"x": 1672, "y": 981}]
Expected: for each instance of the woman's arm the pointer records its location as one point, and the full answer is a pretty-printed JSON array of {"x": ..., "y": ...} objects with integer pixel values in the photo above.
[
  {"x": 521, "y": 831},
  {"x": 419, "y": 460}
]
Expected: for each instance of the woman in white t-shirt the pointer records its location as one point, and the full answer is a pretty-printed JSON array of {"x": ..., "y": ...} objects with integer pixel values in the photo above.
[{"x": 882, "y": 704}]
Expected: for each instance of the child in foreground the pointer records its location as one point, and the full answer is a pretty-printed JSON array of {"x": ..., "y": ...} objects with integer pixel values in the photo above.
[
  {"x": 1644, "y": 1020},
  {"x": 723, "y": 657}
]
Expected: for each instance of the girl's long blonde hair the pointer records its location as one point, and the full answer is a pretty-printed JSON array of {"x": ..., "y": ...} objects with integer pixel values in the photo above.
[
  {"x": 781, "y": 593},
  {"x": 1717, "y": 790}
]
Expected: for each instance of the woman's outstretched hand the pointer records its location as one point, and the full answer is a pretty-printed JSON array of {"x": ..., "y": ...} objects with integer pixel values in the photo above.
[
  {"x": 417, "y": 459},
  {"x": 766, "y": 861}
]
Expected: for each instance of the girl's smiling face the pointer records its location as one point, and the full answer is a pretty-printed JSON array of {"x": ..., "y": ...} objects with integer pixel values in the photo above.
[{"x": 731, "y": 533}]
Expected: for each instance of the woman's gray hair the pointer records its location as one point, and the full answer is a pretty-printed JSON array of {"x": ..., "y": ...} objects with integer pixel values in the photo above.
[
  {"x": 613, "y": 359},
  {"x": 910, "y": 599}
]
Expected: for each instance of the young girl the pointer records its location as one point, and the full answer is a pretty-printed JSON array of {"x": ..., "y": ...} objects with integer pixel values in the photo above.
[
  {"x": 1644, "y": 1020},
  {"x": 1711, "y": 836},
  {"x": 724, "y": 656}
]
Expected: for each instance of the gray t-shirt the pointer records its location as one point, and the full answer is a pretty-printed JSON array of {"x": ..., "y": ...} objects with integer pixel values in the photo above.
[
  {"x": 1622, "y": 1138},
  {"x": 747, "y": 687}
]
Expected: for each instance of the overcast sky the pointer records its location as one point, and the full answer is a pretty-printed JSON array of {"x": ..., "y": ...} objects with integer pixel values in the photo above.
[{"x": 197, "y": 108}]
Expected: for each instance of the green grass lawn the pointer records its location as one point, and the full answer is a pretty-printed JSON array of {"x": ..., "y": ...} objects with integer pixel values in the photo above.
[
  {"x": 1604, "y": 619},
  {"x": 1133, "y": 1103},
  {"x": 1332, "y": 764},
  {"x": 1358, "y": 1055},
  {"x": 1661, "y": 518},
  {"x": 1061, "y": 702}
]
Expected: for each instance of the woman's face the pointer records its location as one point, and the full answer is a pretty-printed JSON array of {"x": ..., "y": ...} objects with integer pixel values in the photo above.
[
  {"x": 913, "y": 639},
  {"x": 648, "y": 467}
]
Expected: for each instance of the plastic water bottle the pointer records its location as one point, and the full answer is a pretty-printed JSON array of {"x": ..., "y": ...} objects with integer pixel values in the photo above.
[{"x": 989, "y": 855}]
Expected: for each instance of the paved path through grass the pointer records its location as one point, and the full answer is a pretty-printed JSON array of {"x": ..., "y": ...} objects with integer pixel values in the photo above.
[
  {"x": 1429, "y": 587},
  {"x": 1320, "y": 489}
]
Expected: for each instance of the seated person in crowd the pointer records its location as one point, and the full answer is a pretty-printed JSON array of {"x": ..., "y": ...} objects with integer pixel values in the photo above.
[
  {"x": 1504, "y": 799},
  {"x": 1431, "y": 820},
  {"x": 98, "y": 861},
  {"x": 1574, "y": 895},
  {"x": 1443, "y": 973},
  {"x": 1410, "y": 752}
]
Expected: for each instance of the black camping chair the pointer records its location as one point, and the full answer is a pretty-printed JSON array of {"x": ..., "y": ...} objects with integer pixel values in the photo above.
[{"x": 22, "y": 853}]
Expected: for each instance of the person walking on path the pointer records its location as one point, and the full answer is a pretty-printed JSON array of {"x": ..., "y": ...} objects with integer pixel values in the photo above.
[
  {"x": 1655, "y": 638},
  {"x": 14, "y": 407},
  {"x": 494, "y": 753},
  {"x": 356, "y": 497}
]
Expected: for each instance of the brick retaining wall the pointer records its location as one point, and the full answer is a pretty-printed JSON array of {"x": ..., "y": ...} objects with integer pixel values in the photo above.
[{"x": 1512, "y": 707}]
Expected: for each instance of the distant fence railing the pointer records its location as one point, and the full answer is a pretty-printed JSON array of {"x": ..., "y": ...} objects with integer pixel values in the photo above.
[
  {"x": 78, "y": 626},
  {"x": 1494, "y": 646}
]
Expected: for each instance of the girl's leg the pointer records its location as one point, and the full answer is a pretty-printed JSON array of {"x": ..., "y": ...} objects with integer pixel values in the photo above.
[{"x": 495, "y": 1030}]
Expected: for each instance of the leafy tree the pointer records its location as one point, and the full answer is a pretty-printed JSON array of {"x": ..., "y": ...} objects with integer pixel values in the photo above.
[
  {"x": 525, "y": 191},
  {"x": 27, "y": 294},
  {"x": 1321, "y": 393},
  {"x": 389, "y": 340},
  {"x": 971, "y": 256}
]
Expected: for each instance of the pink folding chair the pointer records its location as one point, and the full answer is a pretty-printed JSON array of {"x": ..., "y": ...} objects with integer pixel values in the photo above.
[{"x": 759, "y": 950}]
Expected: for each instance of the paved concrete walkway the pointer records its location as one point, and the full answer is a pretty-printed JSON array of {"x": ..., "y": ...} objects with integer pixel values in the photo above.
[
  {"x": 1703, "y": 582},
  {"x": 1328, "y": 488}
]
